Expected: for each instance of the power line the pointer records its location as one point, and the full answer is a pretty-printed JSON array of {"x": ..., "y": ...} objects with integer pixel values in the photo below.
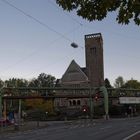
[
  {"x": 69, "y": 17},
  {"x": 113, "y": 33},
  {"x": 66, "y": 14},
  {"x": 35, "y": 19},
  {"x": 41, "y": 23},
  {"x": 36, "y": 51},
  {"x": 51, "y": 64}
]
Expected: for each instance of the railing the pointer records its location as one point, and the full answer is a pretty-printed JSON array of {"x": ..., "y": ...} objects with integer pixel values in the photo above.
[{"x": 46, "y": 92}]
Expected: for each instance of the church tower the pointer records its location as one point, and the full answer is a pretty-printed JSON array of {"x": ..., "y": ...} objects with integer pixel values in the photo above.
[{"x": 94, "y": 59}]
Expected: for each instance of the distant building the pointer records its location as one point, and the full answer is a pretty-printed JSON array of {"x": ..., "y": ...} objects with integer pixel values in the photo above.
[{"x": 90, "y": 76}]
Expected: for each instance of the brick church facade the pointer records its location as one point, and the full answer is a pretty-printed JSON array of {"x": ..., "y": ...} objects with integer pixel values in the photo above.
[{"x": 90, "y": 76}]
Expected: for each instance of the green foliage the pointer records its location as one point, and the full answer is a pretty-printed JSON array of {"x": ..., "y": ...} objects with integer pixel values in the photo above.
[
  {"x": 57, "y": 84},
  {"x": 46, "y": 80},
  {"x": 46, "y": 105},
  {"x": 34, "y": 83},
  {"x": 1, "y": 83},
  {"x": 98, "y": 9},
  {"x": 43, "y": 80},
  {"x": 134, "y": 84},
  {"x": 14, "y": 82},
  {"x": 107, "y": 83}
]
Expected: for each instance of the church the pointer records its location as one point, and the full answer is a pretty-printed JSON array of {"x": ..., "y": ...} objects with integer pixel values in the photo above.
[
  {"x": 90, "y": 76},
  {"x": 93, "y": 73}
]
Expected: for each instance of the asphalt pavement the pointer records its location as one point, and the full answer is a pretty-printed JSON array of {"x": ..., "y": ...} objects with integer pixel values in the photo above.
[{"x": 112, "y": 129}]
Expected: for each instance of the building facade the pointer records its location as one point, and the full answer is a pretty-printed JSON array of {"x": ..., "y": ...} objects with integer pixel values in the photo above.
[
  {"x": 90, "y": 76},
  {"x": 94, "y": 59}
]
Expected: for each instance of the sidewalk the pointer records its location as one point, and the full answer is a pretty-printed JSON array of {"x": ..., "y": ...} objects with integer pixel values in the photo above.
[{"x": 32, "y": 125}]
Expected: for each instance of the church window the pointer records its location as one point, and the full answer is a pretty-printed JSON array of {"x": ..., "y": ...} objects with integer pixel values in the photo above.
[
  {"x": 78, "y": 102},
  {"x": 93, "y": 50},
  {"x": 70, "y": 103},
  {"x": 74, "y": 102}
]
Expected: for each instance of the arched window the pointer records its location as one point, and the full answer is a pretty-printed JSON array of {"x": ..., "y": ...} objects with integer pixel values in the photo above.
[
  {"x": 93, "y": 50},
  {"x": 78, "y": 102},
  {"x": 74, "y": 102},
  {"x": 70, "y": 103}
]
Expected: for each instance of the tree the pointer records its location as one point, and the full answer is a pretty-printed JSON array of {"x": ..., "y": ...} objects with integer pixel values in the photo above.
[
  {"x": 43, "y": 80},
  {"x": 34, "y": 83},
  {"x": 98, "y": 9},
  {"x": 119, "y": 82},
  {"x": 21, "y": 83},
  {"x": 46, "y": 80},
  {"x": 132, "y": 84},
  {"x": 43, "y": 105},
  {"x": 57, "y": 83},
  {"x": 14, "y": 82},
  {"x": 1, "y": 83},
  {"x": 107, "y": 83}
]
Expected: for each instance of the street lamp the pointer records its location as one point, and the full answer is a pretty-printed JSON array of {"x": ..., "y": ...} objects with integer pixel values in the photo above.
[{"x": 74, "y": 45}]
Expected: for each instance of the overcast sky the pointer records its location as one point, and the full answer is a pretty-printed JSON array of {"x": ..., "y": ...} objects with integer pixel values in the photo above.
[{"x": 35, "y": 37}]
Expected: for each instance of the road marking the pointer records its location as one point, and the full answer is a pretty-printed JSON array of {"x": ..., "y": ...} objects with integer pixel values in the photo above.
[
  {"x": 82, "y": 125},
  {"x": 88, "y": 125},
  {"x": 107, "y": 127},
  {"x": 130, "y": 136},
  {"x": 73, "y": 127}
]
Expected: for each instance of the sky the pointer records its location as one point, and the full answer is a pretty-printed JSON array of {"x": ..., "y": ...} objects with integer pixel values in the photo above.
[{"x": 35, "y": 37}]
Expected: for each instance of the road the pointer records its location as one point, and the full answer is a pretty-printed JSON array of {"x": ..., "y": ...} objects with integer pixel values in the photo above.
[{"x": 113, "y": 129}]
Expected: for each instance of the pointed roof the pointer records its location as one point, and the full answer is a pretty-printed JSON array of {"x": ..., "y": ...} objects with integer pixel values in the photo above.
[{"x": 74, "y": 74}]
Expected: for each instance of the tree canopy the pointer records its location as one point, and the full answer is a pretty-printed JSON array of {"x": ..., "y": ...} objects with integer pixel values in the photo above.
[
  {"x": 107, "y": 83},
  {"x": 16, "y": 82},
  {"x": 98, "y": 9},
  {"x": 130, "y": 84},
  {"x": 134, "y": 84},
  {"x": 43, "y": 80}
]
